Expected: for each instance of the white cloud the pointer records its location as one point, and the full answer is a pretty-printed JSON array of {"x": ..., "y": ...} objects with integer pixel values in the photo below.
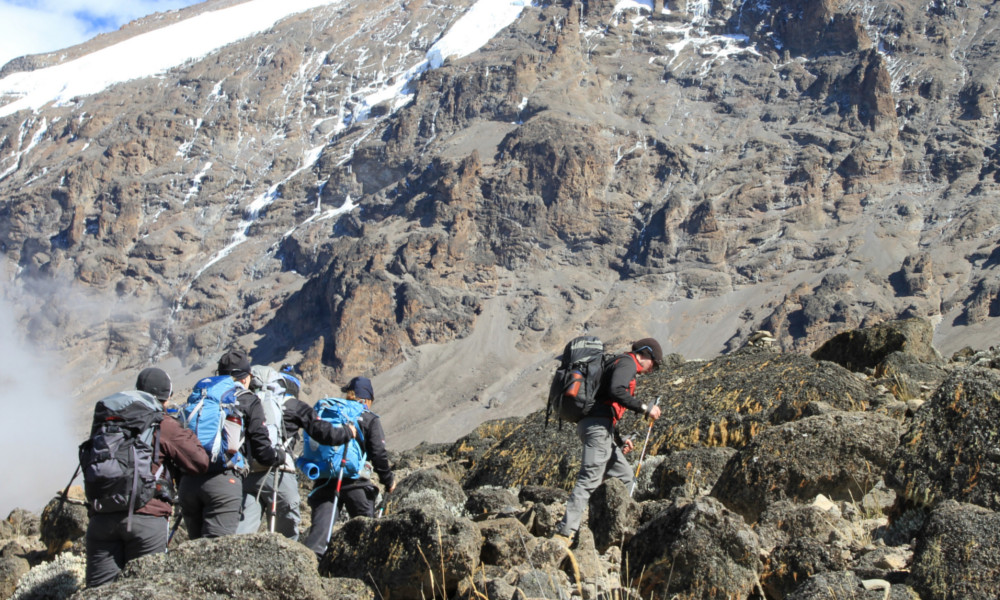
[{"x": 34, "y": 26}]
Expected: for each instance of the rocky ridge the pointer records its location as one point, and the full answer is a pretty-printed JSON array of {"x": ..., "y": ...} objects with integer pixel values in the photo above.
[{"x": 817, "y": 502}]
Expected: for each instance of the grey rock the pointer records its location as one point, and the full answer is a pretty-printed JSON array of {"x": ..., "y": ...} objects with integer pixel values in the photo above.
[
  {"x": 696, "y": 550},
  {"x": 840, "y": 455},
  {"x": 944, "y": 568}
]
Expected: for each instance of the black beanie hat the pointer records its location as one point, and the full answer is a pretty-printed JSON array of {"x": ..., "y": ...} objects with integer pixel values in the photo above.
[
  {"x": 154, "y": 381},
  {"x": 235, "y": 363}
]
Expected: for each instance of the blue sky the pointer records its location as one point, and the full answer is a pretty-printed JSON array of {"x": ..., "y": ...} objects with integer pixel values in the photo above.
[{"x": 33, "y": 26}]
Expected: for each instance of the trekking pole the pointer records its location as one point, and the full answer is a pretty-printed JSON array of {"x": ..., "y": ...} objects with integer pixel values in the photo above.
[
  {"x": 274, "y": 499},
  {"x": 643, "y": 453},
  {"x": 336, "y": 497},
  {"x": 177, "y": 524}
]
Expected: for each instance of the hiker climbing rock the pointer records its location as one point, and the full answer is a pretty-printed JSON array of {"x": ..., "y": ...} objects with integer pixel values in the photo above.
[
  {"x": 229, "y": 422},
  {"x": 357, "y": 494},
  {"x": 277, "y": 488},
  {"x": 603, "y": 450},
  {"x": 130, "y": 464}
]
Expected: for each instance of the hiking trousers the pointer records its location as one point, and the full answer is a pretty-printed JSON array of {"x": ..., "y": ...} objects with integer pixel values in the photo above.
[
  {"x": 357, "y": 498},
  {"x": 602, "y": 458},
  {"x": 211, "y": 504},
  {"x": 258, "y": 492},
  {"x": 110, "y": 545}
]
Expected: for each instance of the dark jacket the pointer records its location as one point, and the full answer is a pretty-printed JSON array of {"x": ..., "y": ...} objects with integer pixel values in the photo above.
[
  {"x": 180, "y": 453},
  {"x": 298, "y": 415},
  {"x": 257, "y": 443},
  {"x": 370, "y": 431},
  {"x": 617, "y": 391}
]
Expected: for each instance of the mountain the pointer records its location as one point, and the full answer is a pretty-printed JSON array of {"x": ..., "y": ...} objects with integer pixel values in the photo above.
[{"x": 441, "y": 195}]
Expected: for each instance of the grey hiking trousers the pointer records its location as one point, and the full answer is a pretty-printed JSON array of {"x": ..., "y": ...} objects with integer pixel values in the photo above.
[
  {"x": 110, "y": 545},
  {"x": 601, "y": 459},
  {"x": 258, "y": 491},
  {"x": 211, "y": 504}
]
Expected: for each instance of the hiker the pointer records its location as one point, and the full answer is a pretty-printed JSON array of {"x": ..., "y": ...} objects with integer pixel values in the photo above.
[
  {"x": 211, "y": 503},
  {"x": 356, "y": 495},
  {"x": 603, "y": 450},
  {"x": 279, "y": 393},
  {"x": 115, "y": 538}
]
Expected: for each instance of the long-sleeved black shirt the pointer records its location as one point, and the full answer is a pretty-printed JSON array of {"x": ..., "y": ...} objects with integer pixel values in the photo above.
[
  {"x": 617, "y": 391},
  {"x": 257, "y": 442}
]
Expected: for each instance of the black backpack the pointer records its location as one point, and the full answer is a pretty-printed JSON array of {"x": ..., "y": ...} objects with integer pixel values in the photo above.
[
  {"x": 117, "y": 461},
  {"x": 575, "y": 384}
]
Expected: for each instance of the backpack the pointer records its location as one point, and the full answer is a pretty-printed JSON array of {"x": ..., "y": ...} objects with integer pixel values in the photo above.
[
  {"x": 318, "y": 460},
  {"x": 272, "y": 399},
  {"x": 214, "y": 415},
  {"x": 575, "y": 383},
  {"x": 117, "y": 460}
]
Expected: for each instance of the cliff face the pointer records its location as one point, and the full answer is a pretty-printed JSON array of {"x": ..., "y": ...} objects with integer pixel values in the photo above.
[{"x": 697, "y": 172}]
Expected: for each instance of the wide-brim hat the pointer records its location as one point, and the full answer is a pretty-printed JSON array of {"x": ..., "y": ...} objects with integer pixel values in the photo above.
[{"x": 651, "y": 347}]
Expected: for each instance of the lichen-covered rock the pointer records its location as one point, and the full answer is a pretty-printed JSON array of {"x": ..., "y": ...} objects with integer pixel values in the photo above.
[
  {"x": 490, "y": 501},
  {"x": 12, "y": 568},
  {"x": 952, "y": 447},
  {"x": 55, "y": 580},
  {"x": 796, "y": 561},
  {"x": 691, "y": 470},
  {"x": 958, "y": 554},
  {"x": 260, "y": 565},
  {"x": 506, "y": 542},
  {"x": 413, "y": 554},
  {"x": 723, "y": 402},
  {"x": 64, "y": 521},
  {"x": 698, "y": 550},
  {"x": 730, "y": 399},
  {"x": 613, "y": 515},
  {"x": 840, "y": 455},
  {"x": 838, "y": 585},
  {"x": 428, "y": 487},
  {"x": 861, "y": 349}
]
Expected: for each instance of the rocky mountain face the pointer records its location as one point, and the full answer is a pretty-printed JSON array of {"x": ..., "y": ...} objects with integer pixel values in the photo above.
[{"x": 694, "y": 170}]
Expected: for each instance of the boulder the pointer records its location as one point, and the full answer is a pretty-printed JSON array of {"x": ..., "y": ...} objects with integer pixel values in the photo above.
[
  {"x": 862, "y": 349},
  {"x": 958, "y": 554},
  {"x": 506, "y": 543},
  {"x": 796, "y": 561},
  {"x": 836, "y": 585},
  {"x": 12, "y": 568},
  {"x": 840, "y": 455},
  {"x": 428, "y": 487},
  {"x": 613, "y": 515},
  {"x": 694, "y": 550},
  {"x": 419, "y": 552},
  {"x": 908, "y": 377},
  {"x": 951, "y": 449},
  {"x": 784, "y": 521},
  {"x": 686, "y": 472},
  {"x": 54, "y": 580},
  {"x": 64, "y": 521},
  {"x": 491, "y": 501},
  {"x": 237, "y": 566}
]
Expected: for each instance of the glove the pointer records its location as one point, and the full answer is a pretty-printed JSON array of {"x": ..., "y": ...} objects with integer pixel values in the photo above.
[{"x": 282, "y": 455}]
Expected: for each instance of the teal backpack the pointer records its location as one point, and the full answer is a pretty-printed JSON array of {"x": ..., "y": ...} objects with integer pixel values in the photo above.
[{"x": 319, "y": 461}]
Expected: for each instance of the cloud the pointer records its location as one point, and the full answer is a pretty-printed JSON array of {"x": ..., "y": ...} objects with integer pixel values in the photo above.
[
  {"x": 37, "y": 432},
  {"x": 35, "y": 26}
]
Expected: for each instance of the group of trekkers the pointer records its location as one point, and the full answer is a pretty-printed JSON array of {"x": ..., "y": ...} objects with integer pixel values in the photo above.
[{"x": 232, "y": 448}]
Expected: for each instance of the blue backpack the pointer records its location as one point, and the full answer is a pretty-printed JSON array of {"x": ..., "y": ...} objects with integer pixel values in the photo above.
[
  {"x": 214, "y": 415},
  {"x": 318, "y": 460}
]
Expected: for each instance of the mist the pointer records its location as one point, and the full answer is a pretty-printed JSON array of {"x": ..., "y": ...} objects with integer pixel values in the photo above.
[{"x": 38, "y": 440}]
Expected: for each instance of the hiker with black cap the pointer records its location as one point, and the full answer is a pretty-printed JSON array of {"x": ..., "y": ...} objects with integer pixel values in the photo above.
[
  {"x": 212, "y": 503},
  {"x": 603, "y": 450},
  {"x": 357, "y": 495},
  {"x": 114, "y": 538},
  {"x": 277, "y": 488}
]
